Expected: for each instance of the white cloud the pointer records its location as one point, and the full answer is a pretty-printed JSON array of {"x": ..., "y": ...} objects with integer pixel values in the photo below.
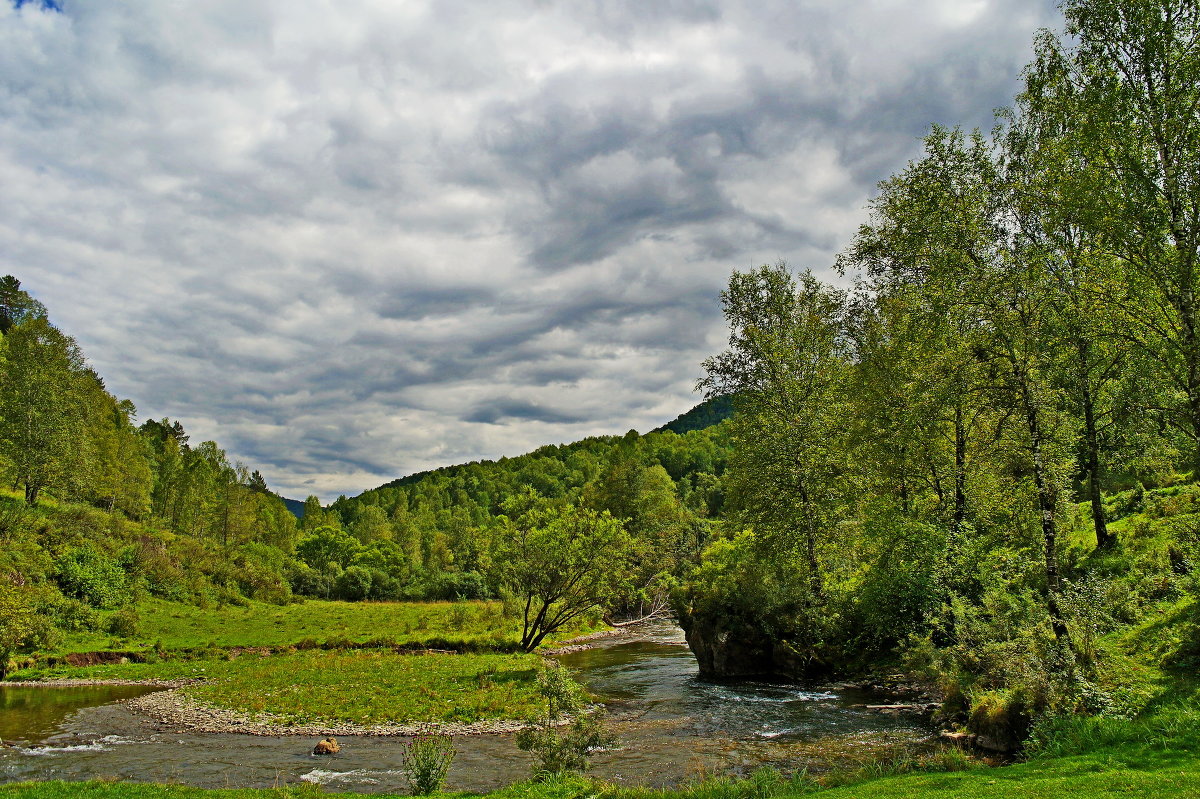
[{"x": 350, "y": 240}]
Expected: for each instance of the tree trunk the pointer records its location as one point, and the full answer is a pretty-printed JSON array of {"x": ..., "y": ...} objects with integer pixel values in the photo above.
[
  {"x": 1047, "y": 501},
  {"x": 1191, "y": 357},
  {"x": 960, "y": 471},
  {"x": 1104, "y": 539},
  {"x": 815, "y": 582}
]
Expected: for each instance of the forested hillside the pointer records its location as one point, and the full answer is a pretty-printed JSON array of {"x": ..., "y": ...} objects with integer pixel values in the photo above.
[{"x": 663, "y": 486}]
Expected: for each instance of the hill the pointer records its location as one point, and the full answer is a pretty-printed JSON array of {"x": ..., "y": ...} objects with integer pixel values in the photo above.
[
  {"x": 707, "y": 414},
  {"x": 295, "y": 506}
]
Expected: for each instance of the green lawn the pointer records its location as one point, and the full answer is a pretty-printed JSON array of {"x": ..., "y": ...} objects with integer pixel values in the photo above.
[
  {"x": 178, "y": 626},
  {"x": 360, "y": 680}
]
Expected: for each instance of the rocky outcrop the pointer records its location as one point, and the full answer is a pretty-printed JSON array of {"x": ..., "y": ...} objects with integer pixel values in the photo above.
[{"x": 727, "y": 646}]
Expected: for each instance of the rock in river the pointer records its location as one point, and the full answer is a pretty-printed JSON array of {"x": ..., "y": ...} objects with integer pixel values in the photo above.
[{"x": 327, "y": 747}]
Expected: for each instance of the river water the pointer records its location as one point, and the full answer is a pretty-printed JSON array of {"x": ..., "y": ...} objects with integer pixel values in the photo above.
[{"x": 672, "y": 726}]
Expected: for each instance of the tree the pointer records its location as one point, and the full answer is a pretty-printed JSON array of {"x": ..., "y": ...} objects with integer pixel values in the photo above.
[
  {"x": 328, "y": 547},
  {"x": 561, "y": 752},
  {"x": 645, "y": 500},
  {"x": 21, "y": 625},
  {"x": 784, "y": 366},
  {"x": 1125, "y": 88},
  {"x": 41, "y": 417},
  {"x": 561, "y": 562},
  {"x": 1043, "y": 167},
  {"x": 946, "y": 226},
  {"x": 16, "y": 305}
]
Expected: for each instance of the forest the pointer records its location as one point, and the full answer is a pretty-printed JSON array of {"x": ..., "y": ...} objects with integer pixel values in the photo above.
[
  {"x": 970, "y": 455},
  {"x": 976, "y": 453}
]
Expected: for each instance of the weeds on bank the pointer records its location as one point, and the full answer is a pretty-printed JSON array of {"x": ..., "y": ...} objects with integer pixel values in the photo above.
[{"x": 427, "y": 760}]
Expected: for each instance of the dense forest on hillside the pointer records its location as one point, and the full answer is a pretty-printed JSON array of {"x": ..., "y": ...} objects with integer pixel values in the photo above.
[{"x": 439, "y": 525}]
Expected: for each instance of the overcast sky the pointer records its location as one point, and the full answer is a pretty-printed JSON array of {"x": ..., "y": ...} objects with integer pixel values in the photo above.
[{"x": 353, "y": 239}]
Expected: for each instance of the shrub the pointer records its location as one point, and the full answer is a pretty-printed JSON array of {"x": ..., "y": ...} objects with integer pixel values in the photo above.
[
  {"x": 124, "y": 622},
  {"x": 427, "y": 759},
  {"x": 383, "y": 586},
  {"x": 556, "y": 752},
  {"x": 308, "y": 581},
  {"x": 92, "y": 576},
  {"x": 73, "y": 615},
  {"x": 353, "y": 584}
]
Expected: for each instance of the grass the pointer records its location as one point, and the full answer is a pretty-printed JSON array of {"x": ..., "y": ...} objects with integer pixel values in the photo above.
[
  {"x": 175, "y": 626},
  {"x": 325, "y": 662},
  {"x": 367, "y": 687}
]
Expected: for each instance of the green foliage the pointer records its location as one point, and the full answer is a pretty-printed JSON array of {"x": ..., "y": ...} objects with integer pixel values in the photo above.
[
  {"x": 433, "y": 532},
  {"x": 558, "y": 751},
  {"x": 427, "y": 760},
  {"x": 328, "y": 546},
  {"x": 708, "y": 413},
  {"x": 41, "y": 409},
  {"x": 352, "y": 584},
  {"x": 20, "y": 624},
  {"x": 88, "y": 574},
  {"x": 124, "y": 623},
  {"x": 16, "y": 306}
]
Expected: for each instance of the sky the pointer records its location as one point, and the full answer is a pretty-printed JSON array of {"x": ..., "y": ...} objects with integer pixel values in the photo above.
[{"x": 354, "y": 239}]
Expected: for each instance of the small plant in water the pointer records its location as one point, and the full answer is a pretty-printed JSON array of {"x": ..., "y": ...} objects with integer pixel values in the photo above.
[
  {"x": 427, "y": 758},
  {"x": 556, "y": 751}
]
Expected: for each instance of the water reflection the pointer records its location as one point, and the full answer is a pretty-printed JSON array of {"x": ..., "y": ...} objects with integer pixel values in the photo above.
[{"x": 35, "y": 712}]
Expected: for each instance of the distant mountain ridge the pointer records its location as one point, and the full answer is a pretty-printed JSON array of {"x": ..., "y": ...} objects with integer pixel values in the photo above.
[{"x": 709, "y": 413}]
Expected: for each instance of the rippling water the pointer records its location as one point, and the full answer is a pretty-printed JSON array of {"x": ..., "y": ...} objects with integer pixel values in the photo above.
[{"x": 672, "y": 726}]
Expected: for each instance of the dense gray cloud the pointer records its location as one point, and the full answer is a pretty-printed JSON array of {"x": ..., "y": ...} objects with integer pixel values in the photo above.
[{"x": 352, "y": 240}]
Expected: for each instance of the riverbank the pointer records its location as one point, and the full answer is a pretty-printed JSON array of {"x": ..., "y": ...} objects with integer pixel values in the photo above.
[{"x": 239, "y": 693}]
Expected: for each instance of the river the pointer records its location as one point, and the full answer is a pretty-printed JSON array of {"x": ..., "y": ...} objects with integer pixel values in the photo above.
[{"x": 672, "y": 726}]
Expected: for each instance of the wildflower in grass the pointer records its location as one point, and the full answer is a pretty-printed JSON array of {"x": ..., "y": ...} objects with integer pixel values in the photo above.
[{"x": 427, "y": 759}]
